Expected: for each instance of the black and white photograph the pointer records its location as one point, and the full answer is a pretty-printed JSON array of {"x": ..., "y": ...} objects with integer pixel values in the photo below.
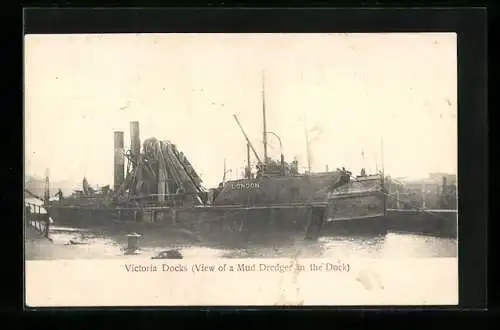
[{"x": 317, "y": 169}]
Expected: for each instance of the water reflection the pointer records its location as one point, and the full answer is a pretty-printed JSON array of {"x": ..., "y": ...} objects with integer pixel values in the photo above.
[{"x": 71, "y": 243}]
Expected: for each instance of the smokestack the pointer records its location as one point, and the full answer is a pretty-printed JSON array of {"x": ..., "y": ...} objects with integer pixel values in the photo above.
[
  {"x": 135, "y": 140},
  {"x": 119, "y": 173}
]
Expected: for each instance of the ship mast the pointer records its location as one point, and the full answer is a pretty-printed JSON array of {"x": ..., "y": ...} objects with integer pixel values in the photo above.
[
  {"x": 46, "y": 193},
  {"x": 382, "y": 154},
  {"x": 307, "y": 143},
  {"x": 264, "y": 131},
  {"x": 224, "y": 175},
  {"x": 248, "y": 172}
]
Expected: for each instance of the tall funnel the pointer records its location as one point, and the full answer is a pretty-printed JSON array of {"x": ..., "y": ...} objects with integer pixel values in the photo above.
[
  {"x": 135, "y": 140},
  {"x": 119, "y": 173}
]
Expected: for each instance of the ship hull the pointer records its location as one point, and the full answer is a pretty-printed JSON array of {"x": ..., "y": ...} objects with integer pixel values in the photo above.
[
  {"x": 357, "y": 210},
  {"x": 210, "y": 223},
  {"x": 442, "y": 223},
  {"x": 225, "y": 224}
]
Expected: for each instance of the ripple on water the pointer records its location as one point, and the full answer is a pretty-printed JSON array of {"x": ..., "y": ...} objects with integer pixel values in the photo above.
[{"x": 86, "y": 244}]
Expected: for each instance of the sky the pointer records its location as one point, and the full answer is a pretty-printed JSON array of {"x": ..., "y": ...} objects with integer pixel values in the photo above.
[{"x": 365, "y": 99}]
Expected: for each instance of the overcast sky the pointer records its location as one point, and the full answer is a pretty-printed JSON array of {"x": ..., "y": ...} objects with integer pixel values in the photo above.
[{"x": 357, "y": 89}]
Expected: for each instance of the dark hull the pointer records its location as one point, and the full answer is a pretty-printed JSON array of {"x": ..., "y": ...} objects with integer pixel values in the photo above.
[
  {"x": 260, "y": 225},
  {"x": 213, "y": 224},
  {"x": 222, "y": 224},
  {"x": 442, "y": 223}
]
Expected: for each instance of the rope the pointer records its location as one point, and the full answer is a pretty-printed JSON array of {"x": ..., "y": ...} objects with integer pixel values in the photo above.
[{"x": 33, "y": 195}]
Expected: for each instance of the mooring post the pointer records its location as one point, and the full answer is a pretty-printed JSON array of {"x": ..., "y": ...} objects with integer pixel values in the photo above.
[{"x": 132, "y": 243}]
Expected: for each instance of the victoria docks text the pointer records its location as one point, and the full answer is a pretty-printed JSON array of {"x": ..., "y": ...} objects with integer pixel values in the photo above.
[{"x": 241, "y": 267}]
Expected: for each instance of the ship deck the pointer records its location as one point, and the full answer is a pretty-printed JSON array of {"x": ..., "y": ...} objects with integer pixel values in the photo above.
[
  {"x": 401, "y": 211},
  {"x": 201, "y": 207}
]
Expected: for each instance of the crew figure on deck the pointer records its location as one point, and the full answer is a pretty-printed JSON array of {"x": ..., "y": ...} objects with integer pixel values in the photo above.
[
  {"x": 343, "y": 179},
  {"x": 59, "y": 194}
]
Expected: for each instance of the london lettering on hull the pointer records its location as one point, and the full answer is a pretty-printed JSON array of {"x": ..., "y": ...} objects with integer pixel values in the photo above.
[{"x": 245, "y": 186}]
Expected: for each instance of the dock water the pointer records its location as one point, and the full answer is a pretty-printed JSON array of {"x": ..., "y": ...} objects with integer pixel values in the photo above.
[
  {"x": 110, "y": 243},
  {"x": 91, "y": 233}
]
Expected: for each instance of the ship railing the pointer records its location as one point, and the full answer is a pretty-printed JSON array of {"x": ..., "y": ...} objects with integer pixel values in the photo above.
[
  {"x": 265, "y": 206},
  {"x": 353, "y": 190},
  {"x": 37, "y": 218}
]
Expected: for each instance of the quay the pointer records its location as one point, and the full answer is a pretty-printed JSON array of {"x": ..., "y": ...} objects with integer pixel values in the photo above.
[{"x": 37, "y": 219}]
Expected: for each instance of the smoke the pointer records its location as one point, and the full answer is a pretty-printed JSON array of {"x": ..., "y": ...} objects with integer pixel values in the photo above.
[{"x": 314, "y": 135}]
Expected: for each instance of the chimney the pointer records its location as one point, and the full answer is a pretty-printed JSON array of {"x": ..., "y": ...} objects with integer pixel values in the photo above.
[
  {"x": 119, "y": 172},
  {"x": 135, "y": 140}
]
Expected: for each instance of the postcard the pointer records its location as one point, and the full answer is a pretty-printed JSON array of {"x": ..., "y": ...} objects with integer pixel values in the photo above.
[{"x": 240, "y": 169}]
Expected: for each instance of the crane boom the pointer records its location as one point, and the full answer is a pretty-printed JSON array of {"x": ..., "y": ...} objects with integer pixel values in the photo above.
[{"x": 246, "y": 137}]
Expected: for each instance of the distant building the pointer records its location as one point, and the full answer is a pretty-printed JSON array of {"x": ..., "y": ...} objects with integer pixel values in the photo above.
[
  {"x": 427, "y": 192},
  {"x": 37, "y": 186},
  {"x": 438, "y": 177}
]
